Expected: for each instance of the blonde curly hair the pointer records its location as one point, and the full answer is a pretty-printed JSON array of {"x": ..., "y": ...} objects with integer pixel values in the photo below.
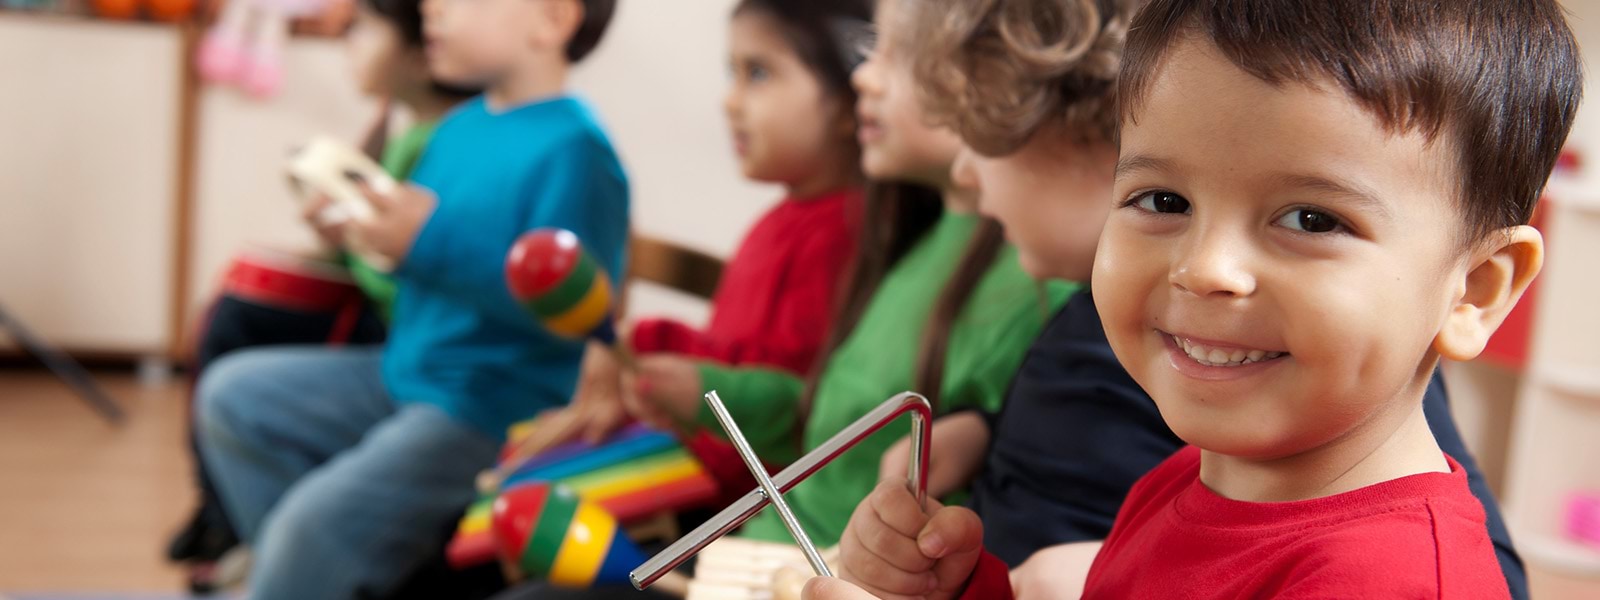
[{"x": 998, "y": 71}]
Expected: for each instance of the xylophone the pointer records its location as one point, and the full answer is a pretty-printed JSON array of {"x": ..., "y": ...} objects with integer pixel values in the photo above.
[{"x": 635, "y": 474}]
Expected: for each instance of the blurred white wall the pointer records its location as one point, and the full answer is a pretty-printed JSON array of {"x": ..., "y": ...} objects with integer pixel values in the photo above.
[{"x": 658, "y": 80}]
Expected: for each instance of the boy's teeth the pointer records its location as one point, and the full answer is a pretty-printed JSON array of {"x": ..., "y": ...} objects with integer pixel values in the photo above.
[{"x": 1217, "y": 357}]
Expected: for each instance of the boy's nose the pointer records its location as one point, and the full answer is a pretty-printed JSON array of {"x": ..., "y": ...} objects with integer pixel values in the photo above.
[
  {"x": 1213, "y": 264},
  {"x": 731, "y": 103},
  {"x": 863, "y": 78}
]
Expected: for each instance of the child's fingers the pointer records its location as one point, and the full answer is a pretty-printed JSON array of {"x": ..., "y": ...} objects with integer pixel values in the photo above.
[
  {"x": 952, "y": 530},
  {"x": 879, "y": 540},
  {"x": 897, "y": 508},
  {"x": 603, "y": 420},
  {"x": 896, "y": 460},
  {"x": 314, "y": 206},
  {"x": 828, "y": 588},
  {"x": 956, "y": 535},
  {"x": 885, "y": 581},
  {"x": 380, "y": 203}
]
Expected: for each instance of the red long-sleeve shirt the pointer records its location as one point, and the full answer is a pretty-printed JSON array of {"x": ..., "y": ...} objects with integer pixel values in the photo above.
[
  {"x": 773, "y": 306},
  {"x": 775, "y": 301},
  {"x": 1420, "y": 536}
]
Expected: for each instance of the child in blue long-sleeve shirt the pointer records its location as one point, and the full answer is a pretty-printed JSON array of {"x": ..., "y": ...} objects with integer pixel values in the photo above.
[{"x": 343, "y": 468}]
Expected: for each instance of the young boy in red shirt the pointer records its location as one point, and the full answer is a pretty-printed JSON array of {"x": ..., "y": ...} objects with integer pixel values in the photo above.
[{"x": 1315, "y": 203}]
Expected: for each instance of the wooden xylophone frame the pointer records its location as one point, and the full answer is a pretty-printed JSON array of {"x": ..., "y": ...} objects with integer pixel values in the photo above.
[{"x": 751, "y": 503}]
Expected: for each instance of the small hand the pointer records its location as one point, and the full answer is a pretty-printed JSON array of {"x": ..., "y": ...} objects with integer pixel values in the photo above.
[
  {"x": 897, "y": 549},
  {"x": 665, "y": 392},
  {"x": 956, "y": 451},
  {"x": 331, "y": 232},
  {"x": 397, "y": 218},
  {"x": 1054, "y": 573},
  {"x": 597, "y": 408},
  {"x": 828, "y": 588}
]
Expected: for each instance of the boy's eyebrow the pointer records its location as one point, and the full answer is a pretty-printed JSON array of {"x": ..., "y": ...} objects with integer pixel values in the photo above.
[
  {"x": 1140, "y": 162},
  {"x": 1355, "y": 193}
]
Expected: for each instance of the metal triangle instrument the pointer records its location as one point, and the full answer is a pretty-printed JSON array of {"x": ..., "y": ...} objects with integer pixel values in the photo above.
[{"x": 771, "y": 489}]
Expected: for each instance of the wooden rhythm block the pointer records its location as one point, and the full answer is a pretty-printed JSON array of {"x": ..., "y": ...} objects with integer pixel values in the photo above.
[
  {"x": 330, "y": 167},
  {"x": 739, "y": 569}
]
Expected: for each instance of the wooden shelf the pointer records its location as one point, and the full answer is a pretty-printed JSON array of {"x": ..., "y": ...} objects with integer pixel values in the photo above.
[
  {"x": 1571, "y": 381},
  {"x": 63, "y": 17}
]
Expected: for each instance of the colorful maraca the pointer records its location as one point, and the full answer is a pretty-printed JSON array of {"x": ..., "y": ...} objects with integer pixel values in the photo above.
[
  {"x": 561, "y": 285},
  {"x": 546, "y": 531},
  {"x": 568, "y": 292}
]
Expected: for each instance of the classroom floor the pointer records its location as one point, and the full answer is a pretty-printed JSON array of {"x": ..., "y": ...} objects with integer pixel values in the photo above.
[{"x": 85, "y": 509}]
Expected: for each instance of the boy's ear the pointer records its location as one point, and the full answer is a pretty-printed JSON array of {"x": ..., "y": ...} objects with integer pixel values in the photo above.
[
  {"x": 1497, "y": 275},
  {"x": 561, "y": 22}
]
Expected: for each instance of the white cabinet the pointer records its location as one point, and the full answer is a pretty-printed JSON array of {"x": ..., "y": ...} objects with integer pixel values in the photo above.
[{"x": 88, "y": 165}]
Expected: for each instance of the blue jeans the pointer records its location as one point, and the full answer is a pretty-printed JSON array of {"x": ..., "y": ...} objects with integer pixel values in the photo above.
[{"x": 339, "y": 490}]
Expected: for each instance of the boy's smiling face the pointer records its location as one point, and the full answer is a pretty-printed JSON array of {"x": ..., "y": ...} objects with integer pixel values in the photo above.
[{"x": 1277, "y": 264}]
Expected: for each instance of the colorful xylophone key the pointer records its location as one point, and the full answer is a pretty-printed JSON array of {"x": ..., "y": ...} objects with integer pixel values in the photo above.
[{"x": 636, "y": 474}]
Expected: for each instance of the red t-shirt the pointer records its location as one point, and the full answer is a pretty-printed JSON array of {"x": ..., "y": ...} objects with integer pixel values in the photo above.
[
  {"x": 1420, "y": 536},
  {"x": 773, "y": 306}
]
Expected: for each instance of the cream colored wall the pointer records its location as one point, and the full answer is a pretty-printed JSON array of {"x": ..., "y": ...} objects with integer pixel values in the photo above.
[{"x": 658, "y": 81}]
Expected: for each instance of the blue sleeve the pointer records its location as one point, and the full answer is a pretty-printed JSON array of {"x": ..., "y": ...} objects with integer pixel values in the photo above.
[
  {"x": 579, "y": 186},
  {"x": 585, "y": 191},
  {"x": 1436, "y": 406}
]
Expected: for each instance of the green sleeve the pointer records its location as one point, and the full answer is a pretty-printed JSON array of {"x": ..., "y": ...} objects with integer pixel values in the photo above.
[
  {"x": 399, "y": 159},
  {"x": 764, "y": 402},
  {"x": 1004, "y": 345},
  {"x": 377, "y": 285},
  {"x": 401, "y": 154}
]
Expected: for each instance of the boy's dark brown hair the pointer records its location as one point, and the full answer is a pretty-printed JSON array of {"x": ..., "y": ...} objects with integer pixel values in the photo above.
[
  {"x": 1497, "y": 81},
  {"x": 596, "y": 17},
  {"x": 998, "y": 71}
]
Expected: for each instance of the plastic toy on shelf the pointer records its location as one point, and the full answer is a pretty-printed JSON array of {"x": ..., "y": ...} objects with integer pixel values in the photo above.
[
  {"x": 245, "y": 46},
  {"x": 1583, "y": 519}
]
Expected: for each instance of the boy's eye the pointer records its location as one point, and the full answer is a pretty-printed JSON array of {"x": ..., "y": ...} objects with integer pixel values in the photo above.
[
  {"x": 1310, "y": 221},
  {"x": 756, "y": 73},
  {"x": 1162, "y": 202}
]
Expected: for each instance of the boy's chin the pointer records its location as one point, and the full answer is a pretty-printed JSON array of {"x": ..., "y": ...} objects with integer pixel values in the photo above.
[{"x": 453, "y": 74}]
